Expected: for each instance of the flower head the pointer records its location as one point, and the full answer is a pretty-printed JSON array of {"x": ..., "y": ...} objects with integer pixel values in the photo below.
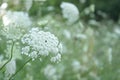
[
  {"x": 15, "y": 24},
  {"x": 16, "y": 18},
  {"x": 39, "y": 43},
  {"x": 70, "y": 12}
]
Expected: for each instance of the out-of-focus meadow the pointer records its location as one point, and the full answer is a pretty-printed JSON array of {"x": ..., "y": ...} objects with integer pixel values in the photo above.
[{"x": 88, "y": 30}]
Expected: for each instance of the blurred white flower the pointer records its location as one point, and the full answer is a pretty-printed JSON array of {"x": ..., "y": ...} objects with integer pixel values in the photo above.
[
  {"x": 89, "y": 9},
  {"x": 28, "y": 4},
  {"x": 51, "y": 73},
  {"x": 67, "y": 34},
  {"x": 93, "y": 22},
  {"x": 70, "y": 12},
  {"x": 4, "y": 6},
  {"x": 3, "y": 9},
  {"x": 10, "y": 68},
  {"x": 15, "y": 24},
  {"x": 50, "y": 8},
  {"x": 16, "y": 19},
  {"x": 39, "y": 43},
  {"x": 76, "y": 65}
]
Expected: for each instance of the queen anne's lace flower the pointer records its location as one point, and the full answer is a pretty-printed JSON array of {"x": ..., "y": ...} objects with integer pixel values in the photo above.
[
  {"x": 70, "y": 12},
  {"x": 16, "y": 18},
  {"x": 15, "y": 24},
  {"x": 39, "y": 43}
]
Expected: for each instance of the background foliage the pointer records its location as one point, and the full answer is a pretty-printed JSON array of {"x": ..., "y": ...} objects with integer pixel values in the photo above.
[{"x": 91, "y": 46}]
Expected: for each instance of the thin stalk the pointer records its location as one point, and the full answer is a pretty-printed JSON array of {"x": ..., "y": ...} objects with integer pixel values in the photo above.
[
  {"x": 11, "y": 55},
  {"x": 20, "y": 68}
]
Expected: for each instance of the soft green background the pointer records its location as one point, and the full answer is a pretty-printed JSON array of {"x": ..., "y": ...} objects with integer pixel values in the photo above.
[{"x": 100, "y": 37}]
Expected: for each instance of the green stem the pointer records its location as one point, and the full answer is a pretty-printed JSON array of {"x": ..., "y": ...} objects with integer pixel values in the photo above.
[
  {"x": 11, "y": 55},
  {"x": 20, "y": 68}
]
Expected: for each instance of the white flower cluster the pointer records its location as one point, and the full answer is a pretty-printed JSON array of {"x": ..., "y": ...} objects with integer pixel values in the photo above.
[
  {"x": 16, "y": 18},
  {"x": 15, "y": 24},
  {"x": 70, "y": 12},
  {"x": 39, "y": 43}
]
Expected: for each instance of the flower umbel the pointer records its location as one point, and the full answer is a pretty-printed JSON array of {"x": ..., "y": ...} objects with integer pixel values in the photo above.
[
  {"x": 15, "y": 24},
  {"x": 39, "y": 43},
  {"x": 16, "y": 19},
  {"x": 70, "y": 11}
]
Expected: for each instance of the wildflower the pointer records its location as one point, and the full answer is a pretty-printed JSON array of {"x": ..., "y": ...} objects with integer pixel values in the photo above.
[
  {"x": 16, "y": 18},
  {"x": 4, "y": 6},
  {"x": 70, "y": 12},
  {"x": 15, "y": 24},
  {"x": 3, "y": 9},
  {"x": 39, "y": 43}
]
